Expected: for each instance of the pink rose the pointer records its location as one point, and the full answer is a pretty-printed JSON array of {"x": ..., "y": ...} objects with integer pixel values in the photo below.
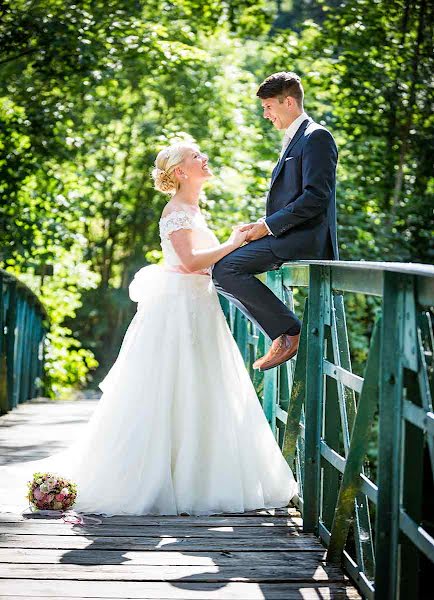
[
  {"x": 38, "y": 494},
  {"x": 59, "y": 497},
  {"x": 41, "y": 502}
]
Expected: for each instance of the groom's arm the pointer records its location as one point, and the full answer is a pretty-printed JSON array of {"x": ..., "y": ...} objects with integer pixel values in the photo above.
[{"x": 318, "y": 175}]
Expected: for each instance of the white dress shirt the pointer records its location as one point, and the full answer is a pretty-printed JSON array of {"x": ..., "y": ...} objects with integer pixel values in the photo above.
[
  {"x": 289, "y": 134},
  {"x": 292, "y": 130}
]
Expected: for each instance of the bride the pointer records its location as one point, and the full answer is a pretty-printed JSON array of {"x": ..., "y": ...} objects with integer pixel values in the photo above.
[{"x": 178, "y": 428}]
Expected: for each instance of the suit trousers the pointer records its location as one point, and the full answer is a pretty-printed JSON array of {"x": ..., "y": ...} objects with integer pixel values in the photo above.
[{"x": 234, "y": 278}]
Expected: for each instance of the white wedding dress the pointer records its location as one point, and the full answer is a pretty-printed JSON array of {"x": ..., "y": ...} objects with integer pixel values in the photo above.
[{"x": 179, "y": 427}]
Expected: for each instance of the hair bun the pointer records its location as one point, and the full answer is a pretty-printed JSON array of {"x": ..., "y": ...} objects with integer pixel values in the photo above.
[
  {"x": 166, "y": 162},
  {"x": 164, "y": 181}
]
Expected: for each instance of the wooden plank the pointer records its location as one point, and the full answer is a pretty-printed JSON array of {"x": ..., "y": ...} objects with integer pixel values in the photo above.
[
  {"x": 88, "y": 556},
  {"x": 184, "y": 590},
  {"x": 301, "y": 568},
  {"x": 157, "y": 521},
  {"x": 65, "y": 529},
  {"x": 164, "y": 543},
  {"x": 282, "y": 511}
]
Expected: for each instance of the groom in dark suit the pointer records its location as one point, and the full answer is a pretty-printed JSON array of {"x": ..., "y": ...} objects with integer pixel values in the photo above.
[{"x": 300, "y": 221}]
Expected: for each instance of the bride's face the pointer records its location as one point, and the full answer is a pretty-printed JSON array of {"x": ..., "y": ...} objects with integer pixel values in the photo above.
[{"x": 195, "y": 165}]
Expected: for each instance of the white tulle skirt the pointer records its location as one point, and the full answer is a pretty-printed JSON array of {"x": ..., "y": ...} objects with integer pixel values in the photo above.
[{"x": 179, "y": 427}]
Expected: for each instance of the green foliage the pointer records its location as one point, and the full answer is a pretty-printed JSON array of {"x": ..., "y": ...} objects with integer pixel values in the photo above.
[
  {"x": 67, "y": 363},
  {"x": 91, "y": 91}
]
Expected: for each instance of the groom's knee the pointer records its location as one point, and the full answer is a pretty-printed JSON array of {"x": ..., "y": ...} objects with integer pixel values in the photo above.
[{"x": 223, "y": 271}]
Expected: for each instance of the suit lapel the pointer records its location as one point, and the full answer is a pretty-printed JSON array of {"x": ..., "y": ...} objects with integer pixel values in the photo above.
[{"x": 292, "y": 143}]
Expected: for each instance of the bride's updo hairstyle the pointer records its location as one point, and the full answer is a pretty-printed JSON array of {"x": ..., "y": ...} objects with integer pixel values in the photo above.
[{"x": 167, "y": 160}]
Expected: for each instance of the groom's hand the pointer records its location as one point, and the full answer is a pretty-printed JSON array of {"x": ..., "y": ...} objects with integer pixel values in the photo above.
[{"x": 256, "y": 231}]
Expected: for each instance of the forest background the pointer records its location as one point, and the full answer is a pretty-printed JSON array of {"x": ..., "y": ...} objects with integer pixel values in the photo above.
[{"x": 91, "y": 91}]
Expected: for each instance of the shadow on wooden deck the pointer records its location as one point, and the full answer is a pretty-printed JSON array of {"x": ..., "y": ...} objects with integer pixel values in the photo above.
[{"x": 259, "y": 554}]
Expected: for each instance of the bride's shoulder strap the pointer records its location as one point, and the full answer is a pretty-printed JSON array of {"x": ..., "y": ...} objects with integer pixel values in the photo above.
[{"x": 175, "y": 220}]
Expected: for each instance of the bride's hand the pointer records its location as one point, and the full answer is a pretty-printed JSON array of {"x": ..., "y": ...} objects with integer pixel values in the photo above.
[
  {"x": 238, "y": 236},
  {"x": 246, "y": 226}
]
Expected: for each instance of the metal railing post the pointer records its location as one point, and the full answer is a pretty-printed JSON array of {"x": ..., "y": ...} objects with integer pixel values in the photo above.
[
  {"x": 389, "y": 442},
  {"x": 314, "y": 397}
]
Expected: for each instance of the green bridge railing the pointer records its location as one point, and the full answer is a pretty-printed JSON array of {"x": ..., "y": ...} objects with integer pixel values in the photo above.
[
  {"x": 375, "y": 516},
  {"x": 23, "y": 326}
]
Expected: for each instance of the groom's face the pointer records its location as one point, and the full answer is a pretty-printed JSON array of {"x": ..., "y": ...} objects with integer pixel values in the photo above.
[{"x": 279, "y": 113}]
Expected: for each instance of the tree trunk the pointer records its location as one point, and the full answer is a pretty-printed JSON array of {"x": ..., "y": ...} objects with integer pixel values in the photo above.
[
  {"x": 393, "y": 129},
  {"x": 405, "y": 131}
]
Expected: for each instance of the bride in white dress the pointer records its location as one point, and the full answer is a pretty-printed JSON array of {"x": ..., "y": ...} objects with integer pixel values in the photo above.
[{"x": 179, "y": 427}]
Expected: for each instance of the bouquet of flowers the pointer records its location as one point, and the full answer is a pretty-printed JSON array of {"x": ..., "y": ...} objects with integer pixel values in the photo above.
[{"x": 50, "y": 492}]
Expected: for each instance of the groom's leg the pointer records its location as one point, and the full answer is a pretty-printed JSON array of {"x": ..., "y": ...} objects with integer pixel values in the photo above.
[{"x": 234, "y": 277}]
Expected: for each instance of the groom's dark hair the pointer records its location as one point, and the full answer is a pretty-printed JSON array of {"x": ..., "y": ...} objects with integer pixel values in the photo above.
[{"x": 282, "y": 84}]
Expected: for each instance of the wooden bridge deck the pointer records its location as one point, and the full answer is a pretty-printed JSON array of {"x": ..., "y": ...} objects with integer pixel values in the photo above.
[{"x": 260, "y": 554}]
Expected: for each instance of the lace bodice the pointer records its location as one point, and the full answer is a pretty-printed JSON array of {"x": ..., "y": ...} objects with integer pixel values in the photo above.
[{"x": 179, "y": 219}]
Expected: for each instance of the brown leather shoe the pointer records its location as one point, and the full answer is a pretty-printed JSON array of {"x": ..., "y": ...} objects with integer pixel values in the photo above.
[{"x": 282, "y": 349}]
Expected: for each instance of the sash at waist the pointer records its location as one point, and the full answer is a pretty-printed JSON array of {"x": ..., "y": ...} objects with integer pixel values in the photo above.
[{"x": 184, "y": 271}]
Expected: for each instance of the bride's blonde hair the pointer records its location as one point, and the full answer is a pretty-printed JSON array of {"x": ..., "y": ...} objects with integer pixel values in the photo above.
[{"x": 167, "y": 160}]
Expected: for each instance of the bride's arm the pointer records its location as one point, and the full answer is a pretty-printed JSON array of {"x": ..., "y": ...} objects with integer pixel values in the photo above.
[{"x": 193, "y": 259}]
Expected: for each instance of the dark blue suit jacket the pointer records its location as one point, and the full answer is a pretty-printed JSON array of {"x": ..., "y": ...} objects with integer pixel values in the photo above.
[{"x": 301, "y": 202}]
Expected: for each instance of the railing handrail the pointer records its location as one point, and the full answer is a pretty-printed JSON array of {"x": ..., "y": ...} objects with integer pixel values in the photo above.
[
  {"x": 396, "y": 267},
  {"x": 346, "y": 276},
  {"x": 8, "y": 276}
]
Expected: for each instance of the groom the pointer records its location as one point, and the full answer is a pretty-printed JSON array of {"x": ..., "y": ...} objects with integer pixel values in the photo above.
[{"x": 300, "y": 221}]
